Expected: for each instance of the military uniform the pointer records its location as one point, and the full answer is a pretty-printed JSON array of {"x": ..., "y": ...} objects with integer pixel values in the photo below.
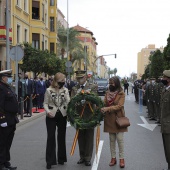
[
  {"x": 86, "y": 136},
  {"x": 151, "y": 100},
  {"x": 158, "y": 91},
  {"x": 165, "y": 115},
  {"x": 8, "y": 120}
]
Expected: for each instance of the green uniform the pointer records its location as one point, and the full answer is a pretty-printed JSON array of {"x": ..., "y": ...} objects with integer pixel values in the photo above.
[{"x": 86, "y": 136}]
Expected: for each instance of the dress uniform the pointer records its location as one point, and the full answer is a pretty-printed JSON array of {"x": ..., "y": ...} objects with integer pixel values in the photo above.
[
  {"x": 8, "y": 119},
  {"x": 86, "y": 136},
  {"x": 165, "y": 115}
]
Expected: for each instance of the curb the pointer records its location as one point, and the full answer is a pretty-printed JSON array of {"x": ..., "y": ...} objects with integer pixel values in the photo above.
[{"x": 33, "y": 117}]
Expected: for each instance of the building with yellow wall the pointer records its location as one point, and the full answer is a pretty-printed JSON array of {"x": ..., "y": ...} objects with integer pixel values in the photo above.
[
  {"x": 35, "y": 22},
  {"x": 90, "y": 48},
  {"x": 143, "y": 58}
]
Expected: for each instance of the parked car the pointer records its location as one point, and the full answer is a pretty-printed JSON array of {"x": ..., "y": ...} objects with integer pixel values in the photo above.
[{"x": 102, "y": 86}]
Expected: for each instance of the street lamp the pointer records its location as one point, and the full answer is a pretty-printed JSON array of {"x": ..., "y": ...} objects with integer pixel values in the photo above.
[
  {"x": 85, "y": 51},
  {"x": 102, "y": 56}
]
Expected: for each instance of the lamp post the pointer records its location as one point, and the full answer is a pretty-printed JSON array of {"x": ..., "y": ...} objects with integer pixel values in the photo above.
[
  {"x": 85, "y": 51},
  {"x": 102, "y": 56}
]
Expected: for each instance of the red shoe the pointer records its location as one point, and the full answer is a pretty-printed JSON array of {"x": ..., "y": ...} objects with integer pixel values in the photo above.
[
  {"x": 112, "y": 162},
  {"x": 122, "y": 163}
]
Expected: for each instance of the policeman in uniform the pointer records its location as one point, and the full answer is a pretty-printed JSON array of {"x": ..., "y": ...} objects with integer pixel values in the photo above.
[
  {"x": 86, "y": 136},
  {"x": 8, "y": 119},
  {"x": 165, "y": 115}
]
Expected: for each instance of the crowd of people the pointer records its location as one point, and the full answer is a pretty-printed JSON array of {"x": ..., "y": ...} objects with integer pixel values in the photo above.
[{"x": 54, "y": 95}]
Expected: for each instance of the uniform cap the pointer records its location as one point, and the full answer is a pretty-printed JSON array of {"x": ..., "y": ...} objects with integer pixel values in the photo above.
[
  {"x": 7, "y": 73},
  {"x": 166, "y": 73},
  {"x": 80, "y": 73}
]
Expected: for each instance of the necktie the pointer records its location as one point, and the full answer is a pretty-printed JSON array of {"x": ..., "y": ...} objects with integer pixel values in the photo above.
[{"x": 82, "y": 87}]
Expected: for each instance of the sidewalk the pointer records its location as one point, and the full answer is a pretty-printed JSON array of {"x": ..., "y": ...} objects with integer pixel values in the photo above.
[{"x": 33, "y": 117}]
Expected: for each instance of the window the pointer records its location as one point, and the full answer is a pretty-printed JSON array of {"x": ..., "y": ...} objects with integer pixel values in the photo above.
[
  {"x": 25, "y": 6},
  {"x": 36, "y": 40},
  {"x": 51, "y": 47},
  {"x": 35, "y": 10},
  {"x": 46, "y": 44},
  {"x": 43, "y": 12},
  {"x": 25, "y": 35},
  {"x": 18, "y": 34},
  {"x": 42, "y": 42},
  {"x": 52, "y": 24},
  {"x": 18, "y": 2},
  {"x": 51, "y": 2},
  {"x": 45, "y": 19}
]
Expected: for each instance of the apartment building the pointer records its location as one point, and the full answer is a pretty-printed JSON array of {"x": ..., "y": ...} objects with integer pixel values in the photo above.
[
  {"x": 32, "y": 21},
  {"x": 143, "y": 58},
  {"x": 90, "y": 47}
]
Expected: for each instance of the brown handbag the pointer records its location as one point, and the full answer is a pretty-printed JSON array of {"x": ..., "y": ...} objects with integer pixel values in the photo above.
[{"x": 122, "y": 122}]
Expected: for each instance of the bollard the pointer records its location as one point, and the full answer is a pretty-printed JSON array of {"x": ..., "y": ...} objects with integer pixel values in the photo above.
[
  {"x": 21, "y": 107},
  {"x": 30, "y": 106}
]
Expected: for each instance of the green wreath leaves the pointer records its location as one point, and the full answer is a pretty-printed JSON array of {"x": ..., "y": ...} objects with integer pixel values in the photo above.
[{"x": 85, "y": 100}]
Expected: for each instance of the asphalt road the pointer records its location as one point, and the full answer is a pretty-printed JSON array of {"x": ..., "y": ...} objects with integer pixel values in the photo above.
[{"x": 143, "y": 147}]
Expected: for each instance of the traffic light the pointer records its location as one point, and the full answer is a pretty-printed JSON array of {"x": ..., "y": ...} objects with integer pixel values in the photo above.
[{"x": 115, "y": 55}]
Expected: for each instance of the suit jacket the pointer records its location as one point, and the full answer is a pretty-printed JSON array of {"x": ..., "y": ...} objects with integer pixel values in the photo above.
[
  {"x": 40, "y": 88},
  {"x": 165, "y": 111},
  {"x": 54, "y": 100},
  {"x": 29, "y": 87}
]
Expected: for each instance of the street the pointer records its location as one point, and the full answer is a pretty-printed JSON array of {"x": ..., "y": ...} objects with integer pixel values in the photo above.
[{"x": 143, "y": 145}]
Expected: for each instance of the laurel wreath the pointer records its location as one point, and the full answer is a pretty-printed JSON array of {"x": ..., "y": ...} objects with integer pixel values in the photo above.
[{"x": 76, "y": 119}]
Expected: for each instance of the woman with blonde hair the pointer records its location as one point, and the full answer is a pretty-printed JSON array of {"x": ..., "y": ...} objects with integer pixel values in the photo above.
[
  {"x": 114, "y": 106},
  {"x": 55, "y": 104}
]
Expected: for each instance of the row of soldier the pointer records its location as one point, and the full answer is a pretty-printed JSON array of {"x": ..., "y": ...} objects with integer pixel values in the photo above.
[{"x": 151, "y": 91}]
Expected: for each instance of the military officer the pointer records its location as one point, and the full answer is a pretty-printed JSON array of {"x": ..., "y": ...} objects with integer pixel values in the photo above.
[
  {"x": 8, "y": 119},
  {"x": 158, "y": 91},
  {"x": 85, "y": 138},
  {"x": 151, "y": 99},
  {"x": 165, "y": 115}
]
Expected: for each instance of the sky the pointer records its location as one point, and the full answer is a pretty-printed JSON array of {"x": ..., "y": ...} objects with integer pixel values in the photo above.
[{"x": 123, "y": 27}]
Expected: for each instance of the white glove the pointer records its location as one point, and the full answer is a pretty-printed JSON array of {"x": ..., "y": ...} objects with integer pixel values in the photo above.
[{"x": 4, "y": 124}]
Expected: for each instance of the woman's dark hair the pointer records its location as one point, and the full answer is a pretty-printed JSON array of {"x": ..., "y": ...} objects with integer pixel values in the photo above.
[{"x": 116, "y": 81}]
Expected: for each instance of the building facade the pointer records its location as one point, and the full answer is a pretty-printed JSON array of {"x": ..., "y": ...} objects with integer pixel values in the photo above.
[
  {"x": 90, "y": 48},
  {"x": 143, "y": 58},
  {"x": 32, "y": 21}
]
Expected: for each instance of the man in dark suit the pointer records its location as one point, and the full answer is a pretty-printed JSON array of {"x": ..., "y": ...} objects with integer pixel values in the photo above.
[
  {"x": 40, "y": 90},
  {"x": 8, "y": 119},
  {"x": 70, "y": 84},
  {"x": 86, "y": 136},
  {"x": 28, "y": 94},
  {"x": 165, "y": 115}
]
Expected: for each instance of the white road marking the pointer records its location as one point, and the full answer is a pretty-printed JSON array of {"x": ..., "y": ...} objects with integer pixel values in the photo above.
[
  {"x": 97, "y": 158},
  {"x": 147, "y": 125}
]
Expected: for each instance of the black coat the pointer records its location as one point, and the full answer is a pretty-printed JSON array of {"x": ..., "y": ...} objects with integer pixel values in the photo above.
[{"x": 8, "y": 105}]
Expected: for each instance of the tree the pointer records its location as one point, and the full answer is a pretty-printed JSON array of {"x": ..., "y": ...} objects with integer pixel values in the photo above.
[
  {"x": 76, "y": 51},
  {"x": 39, "y": 61},
  {"x": 115, "y": 71},
  {"x": 166, "y": 54},
  {"x": 157, "y": 64}
]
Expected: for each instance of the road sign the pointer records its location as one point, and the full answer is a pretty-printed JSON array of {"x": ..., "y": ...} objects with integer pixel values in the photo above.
[
  {"x": 68, "y": 64},
  {"x": 69, "y": 69},
  {"x": 16, "y": 53}
]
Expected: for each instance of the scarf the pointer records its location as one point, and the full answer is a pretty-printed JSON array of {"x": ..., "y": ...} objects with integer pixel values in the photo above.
[{"x": 110, "y": 97}]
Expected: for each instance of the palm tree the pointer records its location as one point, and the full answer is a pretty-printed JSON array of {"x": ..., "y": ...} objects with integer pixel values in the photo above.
[{"x": 76, "y": 50}]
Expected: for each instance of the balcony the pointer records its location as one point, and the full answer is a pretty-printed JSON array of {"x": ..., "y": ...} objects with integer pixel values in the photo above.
[{"x": 3, "y": 35}]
